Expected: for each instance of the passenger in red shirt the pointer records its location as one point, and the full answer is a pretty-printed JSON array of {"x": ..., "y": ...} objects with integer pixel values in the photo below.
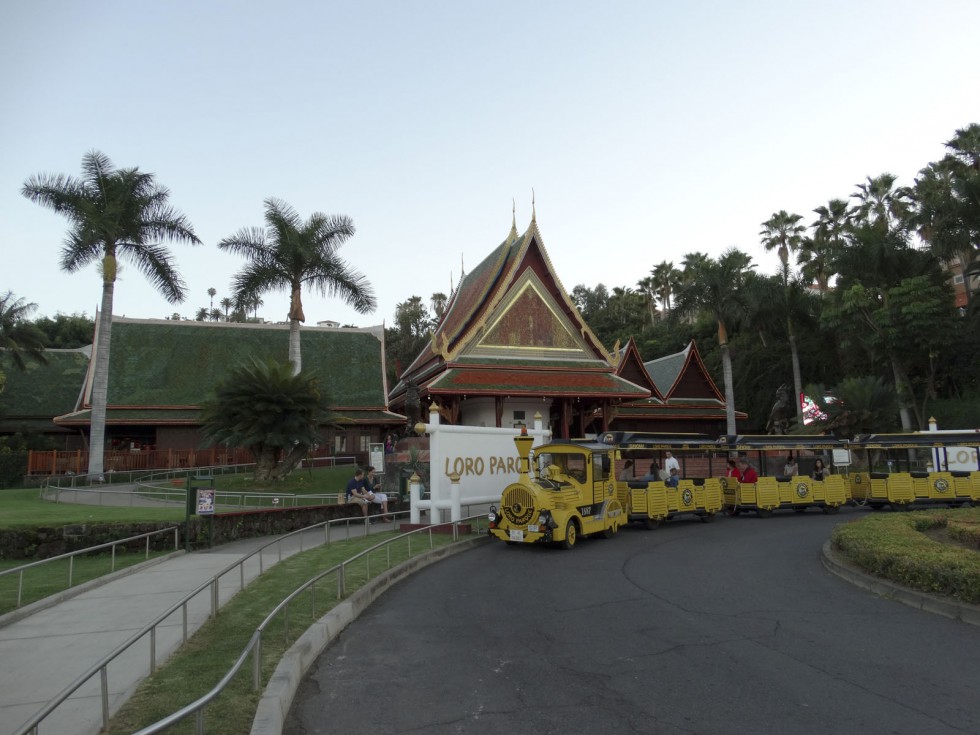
[
  {"x": 748, "y": 474},
  {"x": 733, "y": 470}
]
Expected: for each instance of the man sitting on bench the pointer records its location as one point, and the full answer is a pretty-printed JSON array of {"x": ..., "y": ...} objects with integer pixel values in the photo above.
[{"x": 357, "y": 491}]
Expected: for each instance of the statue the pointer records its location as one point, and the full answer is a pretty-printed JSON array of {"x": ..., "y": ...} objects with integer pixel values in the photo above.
[{"x": 781, "y": 413}]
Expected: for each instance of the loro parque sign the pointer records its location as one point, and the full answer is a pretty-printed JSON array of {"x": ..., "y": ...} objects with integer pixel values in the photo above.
[{"x": 485, "y": 460}]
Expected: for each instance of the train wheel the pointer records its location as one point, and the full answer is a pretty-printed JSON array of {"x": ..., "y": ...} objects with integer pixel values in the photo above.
[
  {"x": 831, "y": 509},
  {"x": 876, "y": 506},
  {"x": 707, "y": 517},
  {"x": 571, "y": 535},
  {"x": 764, "y": 512},
  {"x": 651, "y": 523},
  {"x": 733, "y": 511},
  {"x": 609, "y": 532}
]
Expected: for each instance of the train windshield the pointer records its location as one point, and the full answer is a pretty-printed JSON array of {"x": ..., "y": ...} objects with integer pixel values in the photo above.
[{"x": 563, "y": 466}]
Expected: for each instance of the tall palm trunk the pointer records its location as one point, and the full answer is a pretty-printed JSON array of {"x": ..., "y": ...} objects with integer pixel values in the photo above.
[
  {"x": 901, "y": 388},
  {"x": 797, "y": 375},
  {"x": 726, "y": 369},
  {"x": 295, "y": 356},
  {"x": 100, "y": 382}
]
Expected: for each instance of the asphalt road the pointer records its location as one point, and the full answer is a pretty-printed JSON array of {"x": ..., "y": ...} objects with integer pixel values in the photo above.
[{"x": 733, "y": 627}]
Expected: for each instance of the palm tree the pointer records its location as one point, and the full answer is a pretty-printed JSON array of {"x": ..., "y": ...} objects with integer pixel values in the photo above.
[
  {"x": 716, "y": 287},
  {"x": 665, "y": 279},
  {"x": 438, "y": 302},
  {"x": 782, "y": 232},
  {"x": 201, "y": 315},
  {"x": 18, "y": 335},
  {"x": 817, "y": 253},
  {"x": 226, "y": 304},
  {"x": 880, "y": 203},
  {"x": 212, "y": 292},
  {"x": 270, "y": 409},
  {"x": 291, "y": 253},
  {"x": 114, "y": 213},
  {"x": 648, "y": 288},
  {"x": 938, "y": 218}
]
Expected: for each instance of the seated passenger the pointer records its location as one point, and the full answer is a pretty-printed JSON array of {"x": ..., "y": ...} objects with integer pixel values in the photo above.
[
  {"x": 653, "y": 474},
  {"x": 791, "y": 468},
  {"x": 733, "y": 471},
  {"x": 674, "y": 479},
  {"x": 747, "y": 473},
  {"x": 819, "y": 471}
]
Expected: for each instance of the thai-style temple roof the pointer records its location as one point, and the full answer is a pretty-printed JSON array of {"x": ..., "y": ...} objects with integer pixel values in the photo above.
[
  {"x": 681, "y": 387},
  {"x": 161, "y": 371},
  {"x": 511, "y": 328}
]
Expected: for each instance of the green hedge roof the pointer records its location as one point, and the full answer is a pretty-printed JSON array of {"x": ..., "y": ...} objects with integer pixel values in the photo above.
[{"x": 170, "y": 363}]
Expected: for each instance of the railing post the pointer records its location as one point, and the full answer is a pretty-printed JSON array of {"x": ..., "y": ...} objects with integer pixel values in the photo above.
[
  {"x": 112, "y": 555},
  {"x": 153, "y": 650},
  {"x": 183, "y": 609},
  {"x": 147, "y": 554},
  {"x": 20, "y": 586},
  {"x": 104, "y": 677},
  {"x": 257, "y": 663},
  {"x": 71, "y": 569},
  {"x": 214, "y": 597},
  {"x": 340, "y": 581}
]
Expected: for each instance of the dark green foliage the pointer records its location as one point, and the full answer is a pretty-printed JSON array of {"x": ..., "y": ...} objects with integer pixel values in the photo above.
[
  {"x": 895, "y": 547},
  {"x": 13, "y": 467},
  {"x": 67, "y": 331},
  {"x": 265, "y": 407}
]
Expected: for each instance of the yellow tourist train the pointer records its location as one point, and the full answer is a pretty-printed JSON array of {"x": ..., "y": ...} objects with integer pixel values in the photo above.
[{"x": 568, "y": 489}]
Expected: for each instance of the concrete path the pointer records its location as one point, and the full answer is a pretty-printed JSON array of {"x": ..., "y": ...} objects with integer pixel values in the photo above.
[{"x": 47, "y": 651}]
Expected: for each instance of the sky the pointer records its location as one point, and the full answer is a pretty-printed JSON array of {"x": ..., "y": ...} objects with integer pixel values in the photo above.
[{"x": 646, "y": 130}]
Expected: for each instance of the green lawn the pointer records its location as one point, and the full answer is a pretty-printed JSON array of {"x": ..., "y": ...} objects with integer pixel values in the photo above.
[
  {"x": 52, "y": 577},
  {"x": 26, "y": 509}
]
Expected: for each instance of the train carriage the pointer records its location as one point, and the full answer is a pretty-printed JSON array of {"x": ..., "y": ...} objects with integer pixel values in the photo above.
[
  {"x": 773, "y": 491},
  {"x": 908, "y": 471}
]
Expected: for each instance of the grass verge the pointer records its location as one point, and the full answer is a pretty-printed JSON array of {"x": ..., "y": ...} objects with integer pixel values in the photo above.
[
  {"x": 210, "y": 653},
  {"x": 51, "y": 578},
  {"x": 896, "y": 547},
  {"x": 26, "y": 509}
]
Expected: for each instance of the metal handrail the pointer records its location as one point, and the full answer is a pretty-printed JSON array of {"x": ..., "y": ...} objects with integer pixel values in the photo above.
[
  {"x": 254, "y": 645},
  {"x": 31, "y": 726},
  {"x": 72, "y": 554}
]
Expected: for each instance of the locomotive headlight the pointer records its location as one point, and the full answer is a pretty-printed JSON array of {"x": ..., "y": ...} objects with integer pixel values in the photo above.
[{"x": 545, "y": 520}]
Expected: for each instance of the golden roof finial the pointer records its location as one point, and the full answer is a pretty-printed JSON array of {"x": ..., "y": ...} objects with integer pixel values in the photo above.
[
  {"x": 534, "y": 214},
  {"x": 512, "y": 235}
]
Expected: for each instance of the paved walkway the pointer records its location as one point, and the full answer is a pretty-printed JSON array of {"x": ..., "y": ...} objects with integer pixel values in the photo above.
[{"x": 44, "y": 653}]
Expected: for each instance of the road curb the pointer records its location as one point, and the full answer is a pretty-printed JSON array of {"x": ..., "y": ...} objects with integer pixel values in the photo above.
[
  {"x": 962, "y": 611},
  {"x": 277, "y": 698}
]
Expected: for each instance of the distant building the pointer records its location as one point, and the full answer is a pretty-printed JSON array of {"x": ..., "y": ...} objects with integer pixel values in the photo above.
[{"x": 161, "y": 371}]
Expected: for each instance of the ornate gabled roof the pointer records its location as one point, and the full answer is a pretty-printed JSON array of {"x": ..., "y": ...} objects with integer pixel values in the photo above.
[
  {"x": 173, "y": 366},
  {"x": 531, "y": 382},
  {"x": 632, "y": 368},
  {"x": 683, "y": 374},
  {"x": 510, "y": 308}
]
